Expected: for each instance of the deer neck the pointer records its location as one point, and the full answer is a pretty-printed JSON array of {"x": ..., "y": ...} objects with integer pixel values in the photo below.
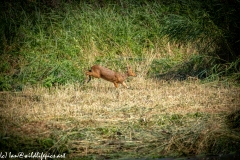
[{"x": 125, "y": 76}]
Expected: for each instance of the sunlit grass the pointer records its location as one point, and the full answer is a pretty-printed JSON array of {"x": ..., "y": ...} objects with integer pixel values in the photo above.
[{"x": 151, "y": 119}]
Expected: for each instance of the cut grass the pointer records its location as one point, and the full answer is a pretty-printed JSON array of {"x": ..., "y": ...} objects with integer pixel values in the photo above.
[{"x": 151, "y": 119}]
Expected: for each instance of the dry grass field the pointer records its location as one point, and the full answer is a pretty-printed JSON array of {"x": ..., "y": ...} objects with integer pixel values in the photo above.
[{"x": 152, "y": 118}]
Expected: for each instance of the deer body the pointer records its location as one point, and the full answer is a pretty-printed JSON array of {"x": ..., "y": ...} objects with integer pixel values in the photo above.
[{"x": 116, "y": 78}]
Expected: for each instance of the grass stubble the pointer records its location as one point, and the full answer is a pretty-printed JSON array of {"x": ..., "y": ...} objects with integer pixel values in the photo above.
[{"x": 151, "y": 119}]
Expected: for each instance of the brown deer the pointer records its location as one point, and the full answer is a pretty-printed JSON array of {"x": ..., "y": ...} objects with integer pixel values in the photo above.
[{"x": 98, "y": 71}]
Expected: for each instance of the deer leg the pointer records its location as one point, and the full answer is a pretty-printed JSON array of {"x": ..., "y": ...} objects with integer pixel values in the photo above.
[
  {"x": 124, "y": 84},
  {"x": 94, "y": 74},
  {"x": 115, "y": 84},
  {"x": 89, "y": 78}
]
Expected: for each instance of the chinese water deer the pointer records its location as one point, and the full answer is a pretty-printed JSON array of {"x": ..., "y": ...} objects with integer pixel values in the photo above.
[{"x": 98, "y": 71}]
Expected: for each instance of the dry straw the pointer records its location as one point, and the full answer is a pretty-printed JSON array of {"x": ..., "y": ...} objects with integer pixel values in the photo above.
[{"x": 151, "y": 118}]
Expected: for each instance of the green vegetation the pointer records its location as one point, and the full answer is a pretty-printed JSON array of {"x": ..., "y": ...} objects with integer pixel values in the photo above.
[
  {"x": 184, "y": 100},
  {"x": 52, "y": 42}
]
